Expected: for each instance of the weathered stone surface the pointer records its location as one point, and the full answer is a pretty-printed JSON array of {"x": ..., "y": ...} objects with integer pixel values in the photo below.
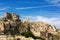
[
  {"x": 12, "y": 21},
  {"x": 9, "y": 22}
]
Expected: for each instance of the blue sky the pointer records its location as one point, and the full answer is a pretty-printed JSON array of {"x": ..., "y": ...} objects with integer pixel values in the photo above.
[{"x": 43, "y": 10}]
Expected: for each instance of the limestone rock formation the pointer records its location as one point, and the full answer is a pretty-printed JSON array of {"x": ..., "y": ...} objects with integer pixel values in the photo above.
[{"x": 10, "y": 23}]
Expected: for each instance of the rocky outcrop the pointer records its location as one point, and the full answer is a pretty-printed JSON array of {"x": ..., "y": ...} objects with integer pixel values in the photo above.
[{"x": 10, "y": 23}]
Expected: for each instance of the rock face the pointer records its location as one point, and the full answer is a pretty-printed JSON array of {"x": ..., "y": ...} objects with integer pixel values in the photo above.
[
  {"x": 10, "y": 23},
  {"x": 42, "y": 30}
]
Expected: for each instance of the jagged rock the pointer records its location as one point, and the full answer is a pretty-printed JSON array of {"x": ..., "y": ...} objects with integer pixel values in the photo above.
[
  {"x": 8, "y": 16},
  {"x": 11, "y": 23}
]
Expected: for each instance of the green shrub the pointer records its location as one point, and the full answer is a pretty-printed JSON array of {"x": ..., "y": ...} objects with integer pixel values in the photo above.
[{"x": 30, "y": 34}]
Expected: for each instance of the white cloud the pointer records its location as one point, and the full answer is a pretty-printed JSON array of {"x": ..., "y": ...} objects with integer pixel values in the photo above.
[
  {"x": 51, "y": 21},
  {"x": 1, "y": 14},
  {"x": 25, "y": 8},
  {"x": 2, "y": 8},
  {"x": 53, "y": 1},
  {"x": 31, "y": 2},
  {"x": 22, "y": 8}
]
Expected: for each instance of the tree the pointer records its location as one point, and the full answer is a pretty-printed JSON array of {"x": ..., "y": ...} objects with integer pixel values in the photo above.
[{"x": 30, "y": 34}]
